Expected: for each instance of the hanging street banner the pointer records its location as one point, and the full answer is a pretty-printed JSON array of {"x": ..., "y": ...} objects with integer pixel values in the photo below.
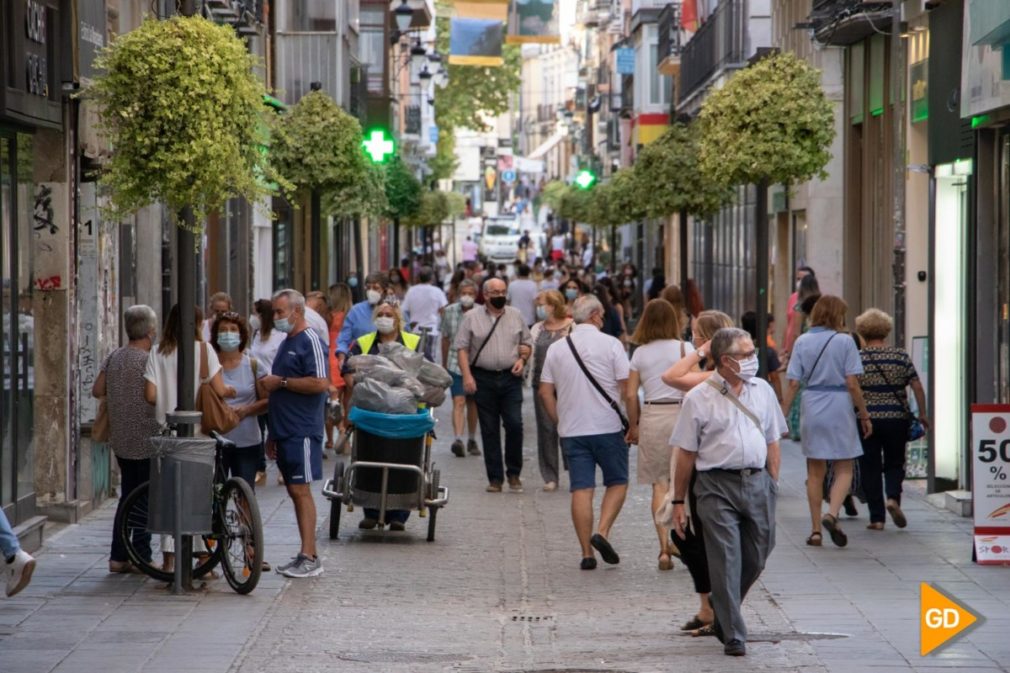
[
  {"x": 990, "y": 437},
  {"x": 481, "y": 9},
  {"x": 475, "y": 41},
  {"x": 534, "y": 22}
]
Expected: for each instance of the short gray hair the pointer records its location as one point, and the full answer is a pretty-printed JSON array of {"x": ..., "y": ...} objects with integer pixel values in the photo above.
[
  {"x": 725, "y": 340},
  {"x": 377, "y": 277},
  {"x": 220, "y": 296},
  {"x": 139, "y": 320},
  {"x": 584, "y": 307},
  {"x": 294, "y": 297},
  {"x": 467, "y": 283}
]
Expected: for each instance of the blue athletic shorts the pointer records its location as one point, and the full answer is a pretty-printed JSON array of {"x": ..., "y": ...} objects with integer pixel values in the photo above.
[
  {"x": 585, "y": 452},
  {"x": 300, "y": 459},
  {"x": 457, "y": 385}
]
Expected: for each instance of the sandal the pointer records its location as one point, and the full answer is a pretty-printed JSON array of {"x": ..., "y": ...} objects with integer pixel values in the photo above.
[
  {"x": 875, "y": 525},
  {"x": 707, "y": 630},
  {"x": 665, "y": 562},
  {"x": 830, "y": 523},
  {"x": 815, "y": 539},
  {"x": 694, "y": 624}
]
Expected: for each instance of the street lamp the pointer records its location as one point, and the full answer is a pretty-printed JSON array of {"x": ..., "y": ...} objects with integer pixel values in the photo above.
[
  {"x": 404, "y": 15},
  {"x": 425, "y": 74}
]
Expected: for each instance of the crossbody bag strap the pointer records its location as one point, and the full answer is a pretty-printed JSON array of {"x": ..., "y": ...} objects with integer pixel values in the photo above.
[
  {"x": 603, "y": 393},
  {"x": 724, "y": 391},
  {"x": 893, "y": 388},
  {"x": 823, "y": 348},
  {"x": 473, "y": 363},
  {"x": 204, "y": 365}
]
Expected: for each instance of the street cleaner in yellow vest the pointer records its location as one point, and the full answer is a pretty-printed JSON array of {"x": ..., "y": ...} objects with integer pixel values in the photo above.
[{"x": 388, "y": 323}]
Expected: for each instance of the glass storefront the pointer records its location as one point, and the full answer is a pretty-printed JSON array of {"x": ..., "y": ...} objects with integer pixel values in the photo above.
[
  {"x": 950, "y": 327},
  {"x": 22, "y": 208}
]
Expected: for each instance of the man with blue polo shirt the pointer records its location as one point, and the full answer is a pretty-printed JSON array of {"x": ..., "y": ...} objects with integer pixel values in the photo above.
[{"x": 297, "y": 385}]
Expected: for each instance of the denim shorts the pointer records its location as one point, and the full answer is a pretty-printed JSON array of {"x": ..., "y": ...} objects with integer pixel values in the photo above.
[
  {"x": 585, "y": 452},
  {"x": 457, "y": 385}
]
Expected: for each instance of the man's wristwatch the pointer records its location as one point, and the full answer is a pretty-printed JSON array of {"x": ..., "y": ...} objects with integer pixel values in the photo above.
[
  {"x": 677, "y": 502},
  {"x": 284, "y": 382}
]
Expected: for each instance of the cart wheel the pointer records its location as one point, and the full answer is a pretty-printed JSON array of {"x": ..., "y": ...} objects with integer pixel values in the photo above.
[
  {"x": 432, "y": 516},
  {"x": 336, "y": 504}
]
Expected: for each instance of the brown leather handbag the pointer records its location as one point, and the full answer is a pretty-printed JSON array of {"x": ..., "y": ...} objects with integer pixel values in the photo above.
[{"x": 217, "y": 415}]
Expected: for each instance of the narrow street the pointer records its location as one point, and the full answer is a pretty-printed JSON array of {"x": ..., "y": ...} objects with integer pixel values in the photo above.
[{"x": 500, "y": 590}]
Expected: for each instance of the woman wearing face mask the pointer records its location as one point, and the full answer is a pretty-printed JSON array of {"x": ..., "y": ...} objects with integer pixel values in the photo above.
[
  {"x": 555, "y": 323},
  {"x": 388, "y": 329},
  {"x": 689, "y": 371},
  {"x": 398, "y": 283},
  {"x": 573, "y": 290},
  {"x": 828, "y": 364},
  {"x": 230, "y": 335}
]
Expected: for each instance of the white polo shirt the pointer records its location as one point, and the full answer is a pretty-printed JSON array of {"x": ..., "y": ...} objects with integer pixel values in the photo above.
[
  {"x": 581, "y": 408},
  {"x": 720, "y": 433}
]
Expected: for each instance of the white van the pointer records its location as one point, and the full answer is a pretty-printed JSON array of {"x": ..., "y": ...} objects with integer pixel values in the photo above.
[{"x": 499, "y": 241}]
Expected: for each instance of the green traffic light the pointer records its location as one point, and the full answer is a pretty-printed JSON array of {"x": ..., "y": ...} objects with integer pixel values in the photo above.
[
  {"x": 585, "y": 179},
  {"x": 378, "y": 147}
]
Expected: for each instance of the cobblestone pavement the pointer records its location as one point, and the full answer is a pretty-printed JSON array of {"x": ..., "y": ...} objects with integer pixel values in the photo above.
[{"x": 500, "y": 590}]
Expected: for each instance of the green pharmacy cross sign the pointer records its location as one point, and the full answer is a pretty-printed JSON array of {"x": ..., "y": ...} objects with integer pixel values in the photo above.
[
  {"x": 378, "y": 147},
  {"x": 585, "y": 179}
]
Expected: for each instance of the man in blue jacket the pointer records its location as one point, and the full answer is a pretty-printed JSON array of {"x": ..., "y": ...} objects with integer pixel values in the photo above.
[{"x": 358, "y": 320}]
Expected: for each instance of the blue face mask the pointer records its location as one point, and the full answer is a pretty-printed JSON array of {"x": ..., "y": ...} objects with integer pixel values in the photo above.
[
  {"x": 283, "y": 325},
  {"x": 352, "y": 281},
  {"x": 571, "y": 294},
  {"x": 229, "y": 341}
]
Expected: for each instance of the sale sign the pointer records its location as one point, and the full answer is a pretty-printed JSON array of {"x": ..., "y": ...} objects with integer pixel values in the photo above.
[{"x": 990, "y": 436}]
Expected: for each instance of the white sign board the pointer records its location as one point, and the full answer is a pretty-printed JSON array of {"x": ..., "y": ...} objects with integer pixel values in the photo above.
[{"x": 990, "y": 437}]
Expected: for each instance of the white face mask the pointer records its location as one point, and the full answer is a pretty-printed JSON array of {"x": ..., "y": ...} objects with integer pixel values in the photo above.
[
  {"x": 748, "y": 368},
  {"x": 373, "y": 296},
  {"x": 466, "y": 301},
  {"x": 254, "y": 323},
  {"x": 384, "y": 324}
]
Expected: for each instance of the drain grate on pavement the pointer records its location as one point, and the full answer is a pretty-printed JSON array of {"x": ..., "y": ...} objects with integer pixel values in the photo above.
[{"x": 536, "y": 619}]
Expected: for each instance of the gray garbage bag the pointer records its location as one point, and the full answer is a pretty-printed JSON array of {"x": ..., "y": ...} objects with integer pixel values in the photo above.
[
  {"x": 431, "y": 374},
  {"x": 363, "y": 363},
  {"x": 406, "y": 359},
  {"x": 433, "y": 396},
  {"x": 377, "y": 396}
]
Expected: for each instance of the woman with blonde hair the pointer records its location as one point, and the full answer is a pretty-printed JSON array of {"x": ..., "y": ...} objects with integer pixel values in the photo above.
[
  {"x": 888, "y": 372},
  {"x": 555, "y": 323},
  {"x": 659, "y": 347},
  {"x": 829, "y": 368},
  {"x": 692, "y": 370}
]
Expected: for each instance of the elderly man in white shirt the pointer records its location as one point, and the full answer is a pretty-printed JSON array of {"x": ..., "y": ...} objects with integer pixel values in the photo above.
[
  {"x": 589, "y": 372},
  {"x": 729, "y": 429},
  {"x": 422, "y": 308}
]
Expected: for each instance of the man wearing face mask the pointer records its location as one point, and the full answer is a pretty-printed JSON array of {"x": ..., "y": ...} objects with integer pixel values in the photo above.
[
  {"x": 493, "y": 345},
  {"x": 463, "y": 406},
  {"x": 297, "y": 386},
  {"x": 358, "y": 321},
  {"x": 729, "y": 429}
]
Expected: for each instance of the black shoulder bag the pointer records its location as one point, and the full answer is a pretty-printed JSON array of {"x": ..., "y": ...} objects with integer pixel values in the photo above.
[
  {"x": 915, "y": 427},
  {"x": 473, "y": 363},
  {"x": 625, "y": 425}
]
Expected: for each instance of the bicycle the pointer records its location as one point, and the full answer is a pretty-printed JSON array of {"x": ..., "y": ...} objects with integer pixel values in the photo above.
[{"x": 236, "y": 540}]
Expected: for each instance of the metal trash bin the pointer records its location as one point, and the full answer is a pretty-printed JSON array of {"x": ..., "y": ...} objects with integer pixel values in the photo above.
[{"x": 193, "y": 460}]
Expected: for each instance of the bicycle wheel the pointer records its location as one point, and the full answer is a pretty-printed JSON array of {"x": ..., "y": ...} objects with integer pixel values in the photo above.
[
  {"x": 241, "y": 538},
  {"x": 145, "y": 548}
]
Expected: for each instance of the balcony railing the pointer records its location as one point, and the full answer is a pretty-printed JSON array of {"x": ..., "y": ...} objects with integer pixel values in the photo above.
[
  {"x": 845, "y": 22},
  {"x": 627, "y": 92},
  {"x": 668, "y": 28},
  {"x": 359, "y": 92},
  {"x": 719, "y": 44},
  {"x": 246, "y": 16},
  {"x": 303, "y": 58}
]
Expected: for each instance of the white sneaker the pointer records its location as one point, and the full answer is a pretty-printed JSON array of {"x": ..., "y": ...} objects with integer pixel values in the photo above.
[{"x": 19, "y": 572}]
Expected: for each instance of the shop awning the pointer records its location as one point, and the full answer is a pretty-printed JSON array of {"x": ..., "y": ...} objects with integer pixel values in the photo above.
[{"x": 548, "y": 144}]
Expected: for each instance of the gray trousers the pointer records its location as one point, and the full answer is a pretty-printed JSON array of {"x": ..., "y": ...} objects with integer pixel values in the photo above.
[
  {"x": 737, "y": 512},
  {"x": 547, "y": 440}
]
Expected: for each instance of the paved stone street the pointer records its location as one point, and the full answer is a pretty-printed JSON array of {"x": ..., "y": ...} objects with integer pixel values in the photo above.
[{"x": 500, "y": 590}]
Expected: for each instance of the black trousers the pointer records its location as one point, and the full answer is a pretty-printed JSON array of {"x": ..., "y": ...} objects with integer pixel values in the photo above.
[
  {"x": 883, "y": 456},
  {"x": 499, "y": 399},
  {"x": 692, "y": 547},
  {"x": 132, "y": 474}
]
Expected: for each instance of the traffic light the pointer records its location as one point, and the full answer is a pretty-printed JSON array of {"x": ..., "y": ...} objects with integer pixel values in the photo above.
[
  {"x": 378, "y": 146},
  {"x": 585, "y": 179}
]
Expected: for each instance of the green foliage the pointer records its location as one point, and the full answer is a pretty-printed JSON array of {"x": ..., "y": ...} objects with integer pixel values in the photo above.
[
  {"x": 770, "y": 122},
  {"x": 444, "y": 163},
  {"x": 435, "y": 208},
  {"x": 577, "y": 204},
  {"x": 317, "y": 146},
  {"x": 623, "y": 199},
  {"x": 403, "y": 191},
  {"x": 668, "y": 177},
  {"x": 455, "y": 204},
  {"x": 552, "y": 194},
  {"x": 184, "y": 112}
]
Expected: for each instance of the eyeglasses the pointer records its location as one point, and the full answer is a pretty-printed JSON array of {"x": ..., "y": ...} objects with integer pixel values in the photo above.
[
  {"x": 501, "y": 293},
  {"x": 742, "y": 356}
]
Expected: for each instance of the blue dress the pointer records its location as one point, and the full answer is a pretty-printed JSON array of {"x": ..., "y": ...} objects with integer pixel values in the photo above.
[{"x": 828, "y": 425}]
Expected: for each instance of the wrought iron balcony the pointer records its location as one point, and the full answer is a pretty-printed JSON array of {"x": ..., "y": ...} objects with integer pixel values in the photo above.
[
  {"x": 246, "y": 16},
  {"x": 303, "y": 58},
  {"x": 359, "y": 92},
  {"x": 719, "y": 44},
  {"x": 669, "y": 44}
]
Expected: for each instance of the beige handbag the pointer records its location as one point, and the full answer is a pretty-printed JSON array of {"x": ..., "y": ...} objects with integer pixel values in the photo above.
[{"x": 217, "y": 415}]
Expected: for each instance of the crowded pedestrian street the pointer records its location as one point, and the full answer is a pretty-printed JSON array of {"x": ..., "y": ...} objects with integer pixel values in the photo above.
[{"x": 500, "y": 590}]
